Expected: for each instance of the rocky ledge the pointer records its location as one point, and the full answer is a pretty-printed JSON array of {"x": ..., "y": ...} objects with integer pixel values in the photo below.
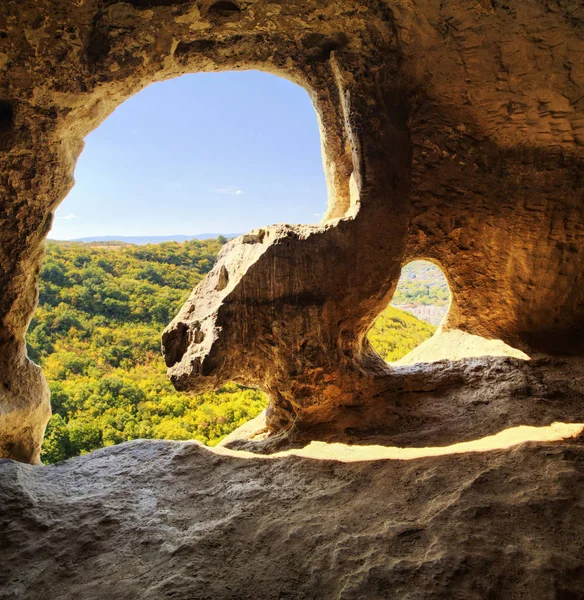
[{"x": 160, "y": 519}]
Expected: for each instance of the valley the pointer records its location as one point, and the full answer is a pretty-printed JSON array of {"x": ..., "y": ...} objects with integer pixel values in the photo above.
[{"x": 96, "y": 334}]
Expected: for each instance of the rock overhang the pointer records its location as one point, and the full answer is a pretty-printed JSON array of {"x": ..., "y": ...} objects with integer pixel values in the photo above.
[{"x": 449, "y": 132}]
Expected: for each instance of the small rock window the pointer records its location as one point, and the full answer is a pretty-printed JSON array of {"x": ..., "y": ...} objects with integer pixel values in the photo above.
[{"x": 417, "y": 309}]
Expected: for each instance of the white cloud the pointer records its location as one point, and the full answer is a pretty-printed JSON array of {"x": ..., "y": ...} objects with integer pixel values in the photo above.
[
  {"x": 231, "y": 191},
  {"x": 69, "y": 217}
]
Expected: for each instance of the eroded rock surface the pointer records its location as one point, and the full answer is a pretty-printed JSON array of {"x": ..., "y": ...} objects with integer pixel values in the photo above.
[
  {"x": 443, "y": 403},
  {"x": 451, "y": 131},
  {"x": 158, "y": 520},
  {"x": 462, "y": 511}
]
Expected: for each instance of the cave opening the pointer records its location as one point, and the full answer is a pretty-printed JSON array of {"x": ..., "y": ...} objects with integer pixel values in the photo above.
[
  {"x": 419, "y": 305},
  {"x": 162, "y": 185},
  {"x": 413, "y": 327}
]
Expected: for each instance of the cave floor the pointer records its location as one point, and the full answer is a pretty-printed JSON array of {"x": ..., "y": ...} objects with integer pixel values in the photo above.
[{"x": 161, "y": 519}]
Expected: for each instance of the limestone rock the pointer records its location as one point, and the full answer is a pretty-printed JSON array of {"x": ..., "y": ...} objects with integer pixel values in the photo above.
[
  {"x": 455, "y": 344},
  {"x": 451, "y": 131},
  {"x": 24, "y": 409},
  {"x": 433, "y": 497},
  {"x": 159, "y": 520},
  {"x": 442, "y": 403}
]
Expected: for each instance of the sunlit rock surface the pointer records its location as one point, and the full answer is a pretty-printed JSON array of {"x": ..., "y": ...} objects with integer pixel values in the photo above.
[
  {"x": 156, "y": 520},
  {"x": 463, "y": 497},
  {"x": 451, "y": 131},
  {"x": 455, "y": 344},
  {"x": 159, "y": 520}
]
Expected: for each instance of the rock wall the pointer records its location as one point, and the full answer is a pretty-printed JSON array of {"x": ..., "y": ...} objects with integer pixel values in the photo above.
[
  {"x": 456, "y": 499},
  {"x": 451, "y": 131},
  {"x": 173, "y": 520}
]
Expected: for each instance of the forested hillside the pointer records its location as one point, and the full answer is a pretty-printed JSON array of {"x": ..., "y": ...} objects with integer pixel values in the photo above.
[
  {"x": 96, "y": 333},
  {"x": 395, "y": 333}
]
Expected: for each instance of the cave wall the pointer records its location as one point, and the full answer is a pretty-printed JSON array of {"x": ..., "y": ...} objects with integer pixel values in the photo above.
[{"x": 450, "y": 131}]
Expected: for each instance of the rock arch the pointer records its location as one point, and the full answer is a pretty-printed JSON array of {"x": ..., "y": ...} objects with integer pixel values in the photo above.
[{"x": 437, "y": 141}]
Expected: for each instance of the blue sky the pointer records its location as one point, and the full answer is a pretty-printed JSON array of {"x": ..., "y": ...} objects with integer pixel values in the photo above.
[{"x": 209, "y": 152}]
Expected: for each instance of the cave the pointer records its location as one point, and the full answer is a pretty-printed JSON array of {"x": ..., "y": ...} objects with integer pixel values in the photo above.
[
  {"x": 221, "y": 175},
  {"x": 418, "y": 306},
  {"x": 449, "y": 131}
]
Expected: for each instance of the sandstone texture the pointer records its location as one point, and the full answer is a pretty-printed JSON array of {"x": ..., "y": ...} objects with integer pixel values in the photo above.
[
  {"x": 454, "y": 344},
  {"x": 451, "y": 131},
  {"x": 151, "y": 519},
  {"x": 467, "y": 502},
  {"x": 442, "y": 403},
  {"x": 161, "y": 520}
]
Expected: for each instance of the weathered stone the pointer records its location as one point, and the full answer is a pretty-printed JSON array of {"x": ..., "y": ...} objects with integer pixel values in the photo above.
[
  {"x": 450, "y": 131},
  {"x": 442, "y": 403},
  {"x": 157, "y": 520}
]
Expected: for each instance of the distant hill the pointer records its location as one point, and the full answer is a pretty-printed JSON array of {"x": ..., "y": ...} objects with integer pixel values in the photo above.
[{"x": 152, "y": 239}]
